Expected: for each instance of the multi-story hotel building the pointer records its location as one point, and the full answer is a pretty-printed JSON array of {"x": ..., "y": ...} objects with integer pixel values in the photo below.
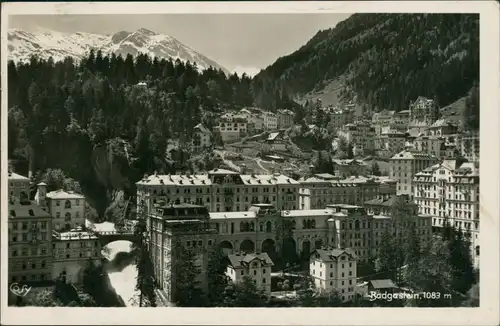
[
  {"x": 334, "y": 270},
  {"x": 172, "y": 228},
  {"x": 73, "y": 252},
  {"x": 202, "y": 138},
  {"x": 392, "y": 142},
  {"x": 468, "y": 146},
  {"x": 19, "y": 187},
  {"x": 340, "y": 117},
  {"x": 423, "y": 111},
  {"x": 348, "y": 167},
  {"x": 231, "y": 129},
  {"x": 359, "y": 133},
  {"x": 67, "y": 208},
  {"x": 270, "y": 121},
  {"x": 285, "y": 118},
  {"x": 220, "y": 190},
  {"x": 404, "y": 166},
  {"x": 382, "y": 120},
  {"x": 450, "y": 191},
  {"x": 30, "y": 243},
  {"x": 256, "y": 266},
  {"x": 316, "y": 192}
]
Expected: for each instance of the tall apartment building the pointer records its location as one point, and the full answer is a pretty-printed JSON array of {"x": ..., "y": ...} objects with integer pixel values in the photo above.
[
  {"x": 285, "y": 118},
  {"x": 382, "y": 120},
  {"x": 334, "y": 269},
  {"x": 270, "y": 121},
  {"x": 170, "y": 228},
  {"x": 231, "y": 129},
  {"x": 29, "y": 243},
  {"x": 67, "y": 208},
  {"x": 423, "y": 111},
  {"x": 450, "y": 191},
  {"x": 359, "y": 133},
  {"x": 404, "y": 166},
  {"x": 202, "y": 138},
  {"x": 468, "y": 146},
  {"x": 220, "y": 190},
  {"x": 340, "y": 117},
  {"x": 392, "y": 142}
]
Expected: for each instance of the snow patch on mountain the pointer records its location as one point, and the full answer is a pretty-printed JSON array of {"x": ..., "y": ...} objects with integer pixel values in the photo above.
[{"x": 58, "y": 45}]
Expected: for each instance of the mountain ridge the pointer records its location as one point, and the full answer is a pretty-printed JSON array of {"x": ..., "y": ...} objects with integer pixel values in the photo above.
[
  {"x": 47, "y": 43},
  {"x": 384, "y": 60}
]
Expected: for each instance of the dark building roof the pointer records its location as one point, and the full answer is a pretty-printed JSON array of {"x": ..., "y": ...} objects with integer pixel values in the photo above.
[
  {"x": 333, "y": 254},
  {"x": 242, "y": 260},
  {"x": 383, "y": 284},
  {"x": 181, "y": 210},
  {"x": 28, "y": 210}
]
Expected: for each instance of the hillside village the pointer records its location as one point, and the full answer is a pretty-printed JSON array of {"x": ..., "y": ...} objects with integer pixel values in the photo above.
[{"x": 226, "y": 200}]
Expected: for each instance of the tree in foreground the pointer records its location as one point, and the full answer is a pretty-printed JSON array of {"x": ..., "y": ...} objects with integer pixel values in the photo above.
[
  {"x": 186, "y": 281},
  {"x": 244, "y": 294},
  {"x": 145, "y": 281},
  {"x": 217, "y": 278}
]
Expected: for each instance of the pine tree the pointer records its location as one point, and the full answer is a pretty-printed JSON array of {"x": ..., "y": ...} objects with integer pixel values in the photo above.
[
  {"x": 217, "y": 278},
  {"x": 186, "y": 271},
  {"x": 376, "y": 169}
]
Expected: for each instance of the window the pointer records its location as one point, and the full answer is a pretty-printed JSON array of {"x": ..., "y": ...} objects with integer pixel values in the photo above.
[
  {"x": 33, "y": 265},
  {"x": 263, "y": 280},
  {"x": 67, "y": 204},
  {"x": 254, "y": 272},
  {"x": 67, "y": 246},
  {"x": 331, "y": 274},
  {"x": 264, "y": 271},
  {"x": 14, "y": 253},
  {"x": 242, "y": 272},
  {"x": 342, "y": 274}
]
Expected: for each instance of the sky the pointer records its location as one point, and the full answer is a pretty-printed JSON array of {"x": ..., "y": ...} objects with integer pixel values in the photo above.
[{"x": 238, "y": 42}]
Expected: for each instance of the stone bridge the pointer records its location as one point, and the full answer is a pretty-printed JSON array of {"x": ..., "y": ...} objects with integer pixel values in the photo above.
[{"x": 106, "y": 237}]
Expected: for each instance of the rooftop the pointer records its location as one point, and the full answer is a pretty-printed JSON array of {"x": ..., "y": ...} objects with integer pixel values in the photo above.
[
  {"x": 62, "y": 194},
  {"x": 333, "y": 254},
  {"x": 243, "y": 260},
  {"x": 232, "y": 215},
  {"x": 413, "y": 155},
  {"x": 15, "y": 176},
  {"x": 31, "y": 210},
  {"x": 383, "y": 284},
  {"x": 75, "y": 234},
  {"x": 307, "y": 212},
  {"x": 270, "y": 179},
  {"x": 176, "y": 179}
]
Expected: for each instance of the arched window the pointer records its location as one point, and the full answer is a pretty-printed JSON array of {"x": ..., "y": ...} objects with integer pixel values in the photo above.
[
  {"x": 67, "y": 216},
  {"x": 268, "y": 226},
  {"x": 67, "y": 204},
  {"x": 294, "y": 224},
  {"x": 261, "y": 227},
  {"x": 356, "y": 224},
  {"x": 343, "y": 225},
  {"x": 242, "y": 227},
  {"x": 350, "y": 225},
  {"x": 252, "y": 226},
  {"x": 313, "y": 224},
  {"x": 304, "y": 224}
]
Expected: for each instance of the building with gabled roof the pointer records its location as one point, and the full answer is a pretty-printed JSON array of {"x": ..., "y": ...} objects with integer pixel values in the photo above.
[
  {"x": 256, "y": 266},
  {"x": 334, "y": 269}
]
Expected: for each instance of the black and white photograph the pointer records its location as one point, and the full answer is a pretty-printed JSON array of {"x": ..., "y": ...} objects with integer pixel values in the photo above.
[{"x": 214, "y": 159}]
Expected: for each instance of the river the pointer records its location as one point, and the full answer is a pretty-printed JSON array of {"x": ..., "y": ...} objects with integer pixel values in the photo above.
[{"x": 121, "y": 267}]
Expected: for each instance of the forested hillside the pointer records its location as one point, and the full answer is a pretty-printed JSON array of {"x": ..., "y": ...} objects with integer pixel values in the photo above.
[
  {"x": 387, "y": 60},
  {"x": 108, "y": 120}
]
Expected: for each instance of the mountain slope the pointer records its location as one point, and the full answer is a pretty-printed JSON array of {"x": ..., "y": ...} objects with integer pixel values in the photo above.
[
  {"x": 46, "y": 43},
  {"x": 387, "y": 60}
]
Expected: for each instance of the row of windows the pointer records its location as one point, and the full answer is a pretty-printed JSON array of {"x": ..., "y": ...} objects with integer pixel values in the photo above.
[
  {"x": 67, "y": 203},
  {"x": 331, "y": 274},
  {"x": 87, "y": 254},
  {"x": 25, "y": 237},
  {"x": 331, "y": 265},
  {"x": 28, "y": 265},
  {"x": 28, "y": 225},
  {"x": 187, "y": 190},
  {"x": 41, "y": 251}
]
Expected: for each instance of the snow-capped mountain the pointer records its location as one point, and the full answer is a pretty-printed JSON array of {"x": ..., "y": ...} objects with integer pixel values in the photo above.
[{"x": 58, "y": 45}]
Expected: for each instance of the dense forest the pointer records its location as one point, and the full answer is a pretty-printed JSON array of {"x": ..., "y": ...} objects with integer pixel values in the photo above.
[
  {"x": 387, "y": 60},
  {"x": 107, "y": 120}
]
